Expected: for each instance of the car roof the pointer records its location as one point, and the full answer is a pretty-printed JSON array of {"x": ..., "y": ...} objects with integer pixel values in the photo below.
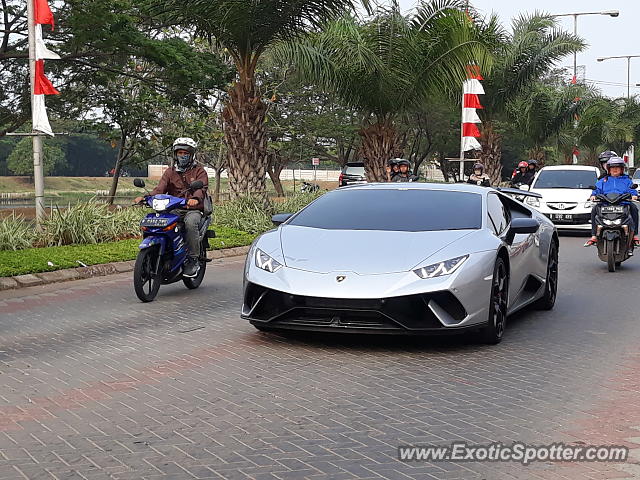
[
  {"x": 451, "y": 187},
  {"x": 571, "y": 167}
]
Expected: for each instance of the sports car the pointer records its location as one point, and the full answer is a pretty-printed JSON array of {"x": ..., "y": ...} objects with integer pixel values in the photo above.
[{"x": 404, "y": 258}]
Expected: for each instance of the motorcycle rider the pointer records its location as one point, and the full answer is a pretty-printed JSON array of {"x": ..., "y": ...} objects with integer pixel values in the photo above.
[
  {"x": 524, "y": 176},
  {"x": 392, "y": 169},
  {"x": 478, "y": 177},
  {"x": 404, "y": 175},
  {"x": 175, "y": 181},
  {"x": 603, "y": 158},
  {"x": 615, "y": 182},
  {"x": 533, "y": 166}
]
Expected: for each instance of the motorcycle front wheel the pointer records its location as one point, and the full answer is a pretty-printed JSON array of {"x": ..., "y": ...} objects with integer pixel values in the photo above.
[
  {"x": 145, "y": 283},
  {"x": 611, "y": 255}
]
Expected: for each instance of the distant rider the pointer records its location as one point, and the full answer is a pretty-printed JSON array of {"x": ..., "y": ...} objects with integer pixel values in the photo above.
[
  {"x": 523, "y": 176},
  {"x": 533, "y": 166},
  {"x": 175, "y": 181},
  {"x": 478, "y": 177},
  {"x": 404, "y": 175},
  {"x": 615, "y": 182},
  {"x": 603, "y": 158},
  {"x": 392, "y": 169}
]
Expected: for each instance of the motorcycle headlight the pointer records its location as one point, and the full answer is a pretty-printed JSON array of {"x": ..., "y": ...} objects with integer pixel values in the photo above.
[
  {"x": 160, "y": 204},
  {"x": 532, "y": 201},
  {"x": 265, "y": 262},
  {"x": 617, "y": 221},
  {"x": 441, "y": 268}
]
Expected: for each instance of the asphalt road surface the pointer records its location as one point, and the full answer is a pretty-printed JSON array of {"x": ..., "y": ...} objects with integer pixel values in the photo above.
[{"x": 95, "y": 384}]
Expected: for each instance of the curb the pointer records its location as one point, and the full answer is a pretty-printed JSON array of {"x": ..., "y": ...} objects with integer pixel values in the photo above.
[{"x": 65, "y": 275}]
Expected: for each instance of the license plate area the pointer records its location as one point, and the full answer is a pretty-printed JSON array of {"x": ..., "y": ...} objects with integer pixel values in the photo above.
[
  {"x": 154, "y": 222},
  {"x": 612, "y": 209},
  {"x": 561, "y": 216}
]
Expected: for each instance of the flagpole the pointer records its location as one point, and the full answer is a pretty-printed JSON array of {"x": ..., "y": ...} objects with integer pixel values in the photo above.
[
  {"x": 462, "y": 136},
  {"x": 38, "y": 169}
]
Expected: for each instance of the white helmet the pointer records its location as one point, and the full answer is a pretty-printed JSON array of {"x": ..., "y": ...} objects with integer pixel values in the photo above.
[{"x": 184, "y": 162}]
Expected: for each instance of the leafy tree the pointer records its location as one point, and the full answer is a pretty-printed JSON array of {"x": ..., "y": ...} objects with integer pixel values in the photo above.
[
  {"x": 523, "y": 57},
  {"x": 389, "y": 64},
  {"x": 20, "y": 160},
  {"x": 246, "y": 30}
]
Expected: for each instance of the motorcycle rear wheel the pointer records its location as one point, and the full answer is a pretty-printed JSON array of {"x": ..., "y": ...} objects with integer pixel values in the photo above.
[
  {"x": 145, "y": 283},
  {"x": 193, "y": 283}
]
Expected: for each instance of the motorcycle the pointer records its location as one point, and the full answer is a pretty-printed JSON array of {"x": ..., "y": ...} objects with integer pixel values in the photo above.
[
  {"x": 614, "y": 229},
  {"x": 309, "y": 187},
  {"x": 163, "y": 250}
]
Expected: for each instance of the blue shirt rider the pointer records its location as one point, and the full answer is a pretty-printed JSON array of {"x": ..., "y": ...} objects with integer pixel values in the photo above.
[{"x": 615, "y": 182}]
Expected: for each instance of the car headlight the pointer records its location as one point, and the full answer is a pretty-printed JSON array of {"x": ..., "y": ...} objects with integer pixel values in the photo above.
[
  {"x": 160, "y": 204},
  {"x": 265, "y": 262},
  {"x": 532, "y": 201},
  {"x": 441, "y": 268},
  {"x": 588, "y": 204}
]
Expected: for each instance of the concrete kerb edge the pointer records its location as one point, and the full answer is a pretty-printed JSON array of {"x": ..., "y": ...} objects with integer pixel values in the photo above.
[{"x": 45, "y": 278}]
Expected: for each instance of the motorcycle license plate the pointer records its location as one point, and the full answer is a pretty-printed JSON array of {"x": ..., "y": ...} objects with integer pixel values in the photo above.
[
  {"x": 561, "y": 216},
  {"x": 154, "y": 222},
  {"x": 613, "y": 209}
]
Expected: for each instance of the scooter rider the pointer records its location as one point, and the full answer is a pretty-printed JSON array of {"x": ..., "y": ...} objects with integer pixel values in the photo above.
[
  {"x": 175, "y": 181},
  {"x": 523, "y": 176},
  {"x": 533, "y": 166},
  {"x": 603, "y": 158},
  {"x": 478, "y": 177},
  {"x": 392, "y": 169},
  {"x": 404, "y": 175},
  {"x": 615, "y": 182}
]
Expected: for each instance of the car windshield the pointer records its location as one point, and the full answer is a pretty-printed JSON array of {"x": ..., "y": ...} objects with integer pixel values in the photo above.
[
  {"x": 354, "y": 170},
  {"x": 566, "y": 179},
  {"x": 404, "y": 210}
]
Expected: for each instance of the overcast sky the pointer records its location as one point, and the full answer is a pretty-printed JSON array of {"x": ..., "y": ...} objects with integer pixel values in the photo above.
[{"x": 605, "y": 36}]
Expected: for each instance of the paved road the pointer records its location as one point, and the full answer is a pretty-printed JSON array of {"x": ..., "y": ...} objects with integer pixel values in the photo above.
[{"x": 94, "y": 384}]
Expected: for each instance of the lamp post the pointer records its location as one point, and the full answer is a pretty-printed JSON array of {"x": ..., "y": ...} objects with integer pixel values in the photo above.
[
  {"x": 610, "y": 13},
  {"x": 628, "y": 57}
]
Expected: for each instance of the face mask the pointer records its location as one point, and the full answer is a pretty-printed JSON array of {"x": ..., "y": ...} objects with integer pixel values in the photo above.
[{"x": 183, "y": 160}]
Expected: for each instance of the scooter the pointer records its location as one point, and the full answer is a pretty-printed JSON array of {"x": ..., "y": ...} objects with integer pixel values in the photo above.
[
  {"x": 163, "y": 250},
  {"x": 614, "y": 229}
]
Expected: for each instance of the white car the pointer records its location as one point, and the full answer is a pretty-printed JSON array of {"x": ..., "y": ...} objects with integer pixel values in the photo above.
[{"x": 565, "y": 191}]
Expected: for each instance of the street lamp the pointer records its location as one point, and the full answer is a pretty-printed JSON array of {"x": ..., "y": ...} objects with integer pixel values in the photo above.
[
  {"x": 628, "y": 57},
  {"x": 610, "y": 13}
]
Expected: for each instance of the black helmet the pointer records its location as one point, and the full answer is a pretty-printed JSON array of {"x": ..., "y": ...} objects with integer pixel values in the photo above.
[
  {"x": 478, "y": 166},
  {"x": 616, "y": 162},
  {"x": 393, "y": 161},
  {"x": 533, "y": 162},
  {"x": 606, "y": 155},
  {"x": 402, "y": 161}
]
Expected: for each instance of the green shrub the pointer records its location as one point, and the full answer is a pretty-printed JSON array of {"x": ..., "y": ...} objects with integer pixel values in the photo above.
[
  {"x": 16, "y": 233},
  {"x": 295, "y": 203},
  {"x": 246, "y": 214}
]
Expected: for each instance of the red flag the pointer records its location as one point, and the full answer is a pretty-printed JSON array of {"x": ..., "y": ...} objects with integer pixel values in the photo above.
[
  {"x": 43, "y": 13},
  {"x": 470, "y": 130},
  {"x": 472, "y": 101},
  {"x": 574, "y": 80},
  {"x": 42, "y": 84},
  {"x": 473, "y": 71}
]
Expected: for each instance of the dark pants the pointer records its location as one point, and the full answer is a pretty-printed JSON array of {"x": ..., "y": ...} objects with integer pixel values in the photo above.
[
  {"x": 191, "y": 220},
  {"x": 633, "y": 210}
]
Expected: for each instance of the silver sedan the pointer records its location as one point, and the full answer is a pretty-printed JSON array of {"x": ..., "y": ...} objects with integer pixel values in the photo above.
[{"x": 412, "y": 258}]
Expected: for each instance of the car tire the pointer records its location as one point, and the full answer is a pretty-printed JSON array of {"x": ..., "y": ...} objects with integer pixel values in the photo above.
[
  {"x": 493, "y": 332},
  {"x": 551, "y": 284}
]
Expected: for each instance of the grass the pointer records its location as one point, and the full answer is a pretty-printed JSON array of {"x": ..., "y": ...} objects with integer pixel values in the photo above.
[{"x": 35, "y": 260}]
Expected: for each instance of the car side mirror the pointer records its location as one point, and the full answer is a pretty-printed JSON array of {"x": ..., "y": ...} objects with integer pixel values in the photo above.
[
  {"x": 525, "y": 187},
  {"x": 138, "y": 182},
  {"x": 635, "y": 185},
  {"x": 197, "y": 185},
  {"x": 522, "y": 226},
  {"x": 280, "y": 218}
]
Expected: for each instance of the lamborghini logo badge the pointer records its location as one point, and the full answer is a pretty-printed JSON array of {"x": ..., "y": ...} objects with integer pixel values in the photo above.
[{"x": 340, "y": 278}]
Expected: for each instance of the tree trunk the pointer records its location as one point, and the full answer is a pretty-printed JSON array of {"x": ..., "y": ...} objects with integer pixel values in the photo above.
[
  {"x": 216, "y": 187},
  {"x": 244, "y": 135},
  {"x": 117, "y": 169},
  {"x": 491, "y": 155},
  {"x": 380, "y": 142},
  {"x": 539, "y": 154}
]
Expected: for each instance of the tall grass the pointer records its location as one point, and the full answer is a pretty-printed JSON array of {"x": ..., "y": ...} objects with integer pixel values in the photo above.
[{"x": 16, "y": 233}]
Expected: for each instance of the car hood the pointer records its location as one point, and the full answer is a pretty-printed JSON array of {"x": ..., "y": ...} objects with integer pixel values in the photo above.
[
  {"x": 364, "y": 252},
  {"x": 563, "y": 194}
]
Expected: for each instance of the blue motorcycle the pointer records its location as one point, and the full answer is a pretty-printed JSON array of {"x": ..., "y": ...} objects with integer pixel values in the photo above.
[{"x": 163, "y": 249}]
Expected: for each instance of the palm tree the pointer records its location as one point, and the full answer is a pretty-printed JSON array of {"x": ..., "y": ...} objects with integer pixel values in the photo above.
[
  {"x": 525, "y": 56},
  {"x": 388, "y": 65},
  {"x": 245, "y": 29}
]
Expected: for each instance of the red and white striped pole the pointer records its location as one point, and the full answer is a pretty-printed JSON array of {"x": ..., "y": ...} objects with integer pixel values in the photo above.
[{"x": 469, "y": 131}]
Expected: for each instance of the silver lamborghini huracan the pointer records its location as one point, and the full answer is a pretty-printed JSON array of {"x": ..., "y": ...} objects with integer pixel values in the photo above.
[{"x": 411, "y": 258}]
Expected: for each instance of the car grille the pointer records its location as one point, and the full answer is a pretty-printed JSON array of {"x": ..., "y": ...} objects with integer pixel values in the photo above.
[
  {"x": 406, "y": 313},
  {"x": 561, "y": 205}
]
